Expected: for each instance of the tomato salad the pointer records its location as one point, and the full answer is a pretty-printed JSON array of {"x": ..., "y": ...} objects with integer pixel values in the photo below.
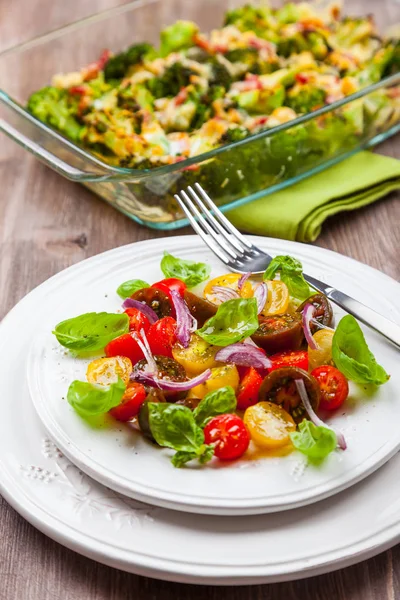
[{"x": 250, "y": 362}]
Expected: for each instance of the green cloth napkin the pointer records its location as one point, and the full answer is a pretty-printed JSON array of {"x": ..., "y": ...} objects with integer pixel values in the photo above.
[{"x": 298, "y": 212}]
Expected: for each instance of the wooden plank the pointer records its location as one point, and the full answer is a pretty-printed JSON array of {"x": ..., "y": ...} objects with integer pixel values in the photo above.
[{"x": 47, "y": 224}]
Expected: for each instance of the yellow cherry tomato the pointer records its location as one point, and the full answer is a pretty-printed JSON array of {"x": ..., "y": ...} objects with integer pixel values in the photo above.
[
  {"x": 230, "y": 280},
  {"x": 278, "y": 298},
  {"x": 269, "y": 425},
  {"x": 105, "y": 371},
  {"x": 220, "y": 377},
  {"x": 323, "y": 354},
  {"x": 197, "y": 357}
]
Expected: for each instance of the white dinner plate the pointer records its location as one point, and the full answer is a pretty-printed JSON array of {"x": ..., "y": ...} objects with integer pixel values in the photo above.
[
  {"x": 123, "y": 460},
  {"x": 57, "y": 498}
]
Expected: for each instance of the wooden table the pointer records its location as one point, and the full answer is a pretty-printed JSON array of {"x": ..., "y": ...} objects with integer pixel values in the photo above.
[{"x": 47, "y": 224}]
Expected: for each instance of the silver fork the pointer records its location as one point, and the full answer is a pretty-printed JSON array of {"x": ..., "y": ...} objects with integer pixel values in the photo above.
[{"x": 240, "y": 255}]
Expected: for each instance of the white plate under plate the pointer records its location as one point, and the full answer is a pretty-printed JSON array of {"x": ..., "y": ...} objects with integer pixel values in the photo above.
[
  {"x": 57, "y": 498},
  {"x": 123, "y": 460}
]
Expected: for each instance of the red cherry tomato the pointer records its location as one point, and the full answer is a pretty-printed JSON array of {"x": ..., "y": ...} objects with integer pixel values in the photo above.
[
  {"x": 289, "y": 358},
  {"x": 124, "y": 345},
  {"x": 162, "y": 336},
  {"x": 137, "y": 320},
  {"x": 229, "y": 436},
  {"x": 132, "y": 400},
  {"x": 169, "y": 285},
  {"x": 333, "y": 385},
  {"x": 248, "y": 389}
]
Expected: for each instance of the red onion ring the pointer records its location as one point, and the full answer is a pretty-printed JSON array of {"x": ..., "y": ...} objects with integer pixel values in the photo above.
[
  {"x": 142, "y": 307},
  {"x": 261, "y": 295},
  {"x": 301, "y": 388},
  {"x": 243, "y": 279},
  {"x": 185, "y": 322},
  {"x": 308, "y": 313},
  {"x": 167, "y": 384},
  {"x": 244, "y": 355},
  {"x": 145, "y": 348},
  {"x": 224, "y": 293}
]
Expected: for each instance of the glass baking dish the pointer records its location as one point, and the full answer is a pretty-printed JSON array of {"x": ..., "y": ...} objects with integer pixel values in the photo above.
[{"x": 233, "y": 174}]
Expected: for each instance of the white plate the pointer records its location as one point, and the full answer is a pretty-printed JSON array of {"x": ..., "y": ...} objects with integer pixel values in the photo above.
[
  {"x": 57, "y": 498},
  {"x": 124, "y": 461}
]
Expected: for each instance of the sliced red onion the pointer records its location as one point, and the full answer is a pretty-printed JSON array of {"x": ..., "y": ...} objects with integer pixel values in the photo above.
[
  {"x": 261, "y": 295},
  {"x": 146, "y": 310},
  {"x": 145, "y": 348},
  {"x": 301, "y": 388},
  {"x": 320, "y": 325},
  {"x": 185, "y": 322},
  {"x": 244, "y": 355},
  {"x": 243, "y": 279},
  {"x": 251, "y": 342},
  {"x": 167, "y": 384},
  {"x": 308, "y": 313},
  {"x": 224, "y": 293}
]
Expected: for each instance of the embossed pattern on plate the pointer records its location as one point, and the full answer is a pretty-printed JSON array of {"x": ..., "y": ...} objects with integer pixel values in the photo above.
[{"x": 124, "y": 461}]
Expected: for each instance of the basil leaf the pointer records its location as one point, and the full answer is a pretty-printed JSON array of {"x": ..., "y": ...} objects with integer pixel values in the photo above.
[
  {"x": 291, "y": 271},
  {"x": 215, "y": 403},
  {"x": 234, "y": 321},
  {"x": 315, "y": 442},
  {"x": 187, "y": 271},
  {"x": 174, "y": 426},
  {"x": 126, "y": 289},
  {"x": 91, "y": 331},
  {"x": 89, "y": 400},
  {"x": 352, "y": 356}
]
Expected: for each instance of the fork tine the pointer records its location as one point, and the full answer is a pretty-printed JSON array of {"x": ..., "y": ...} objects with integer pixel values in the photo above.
[
  {"x": 215, "y": 224},
  {"x": 213, "y": 245},
  {"x": 222, "y": 219}
]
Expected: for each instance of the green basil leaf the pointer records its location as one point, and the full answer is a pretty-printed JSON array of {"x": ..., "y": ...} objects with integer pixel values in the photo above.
[
  {"x": 181, "y": 458},
  {"x": 126, "y": 289},
  {"x": 215, "y": 403},
  {"x": 89, "y": 400},
  {"x": 289, "y": 263},
  {"x": 352, "y": 356},
  {"x": 174, "y": 426},
  {"x": 234, "y": 321},
  {"x": 187, "y": 271},
  {"x": 315, "y": 442},
  {"x": 291, "y": 271},
  {"x": 92, "y": 331}
]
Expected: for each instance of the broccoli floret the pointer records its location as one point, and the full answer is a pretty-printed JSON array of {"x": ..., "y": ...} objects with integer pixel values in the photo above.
[
  {"x": 379, "y": 65},
  {"x": 233, "y": 134},
  {"x": 117, "y": 66},
  {"x": 289, "y": 13},
  {"x": 171, "y": 81},
  {"x": 261, "y": 101},
  {"x": 250, "y": 18},
  {"x": 179, "y": 36},
  {"x": 51, "y": 105},
  {"x": 135, "y": 98},
  {"x": 305, "y": 99},
  {"x": 220, "y": 74}
]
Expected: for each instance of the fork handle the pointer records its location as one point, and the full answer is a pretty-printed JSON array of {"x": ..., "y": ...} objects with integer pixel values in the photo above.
[{"x": 368, "y": 316}]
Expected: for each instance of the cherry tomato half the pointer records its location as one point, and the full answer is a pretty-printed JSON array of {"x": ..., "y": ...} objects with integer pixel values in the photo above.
[
  {"x": 229, "y": 436},
  {"x": 137, "y": 320},
  {"x": 169, "y": 285},
  {"x": 124, "y": 345},
  {"x": 289, "y": 359},
  {"x": 248, "y": 389},
  {"x": 132, "y": 400},
  {"x": 162, "y": 336},
  {"x": 333, "y": 385}
]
